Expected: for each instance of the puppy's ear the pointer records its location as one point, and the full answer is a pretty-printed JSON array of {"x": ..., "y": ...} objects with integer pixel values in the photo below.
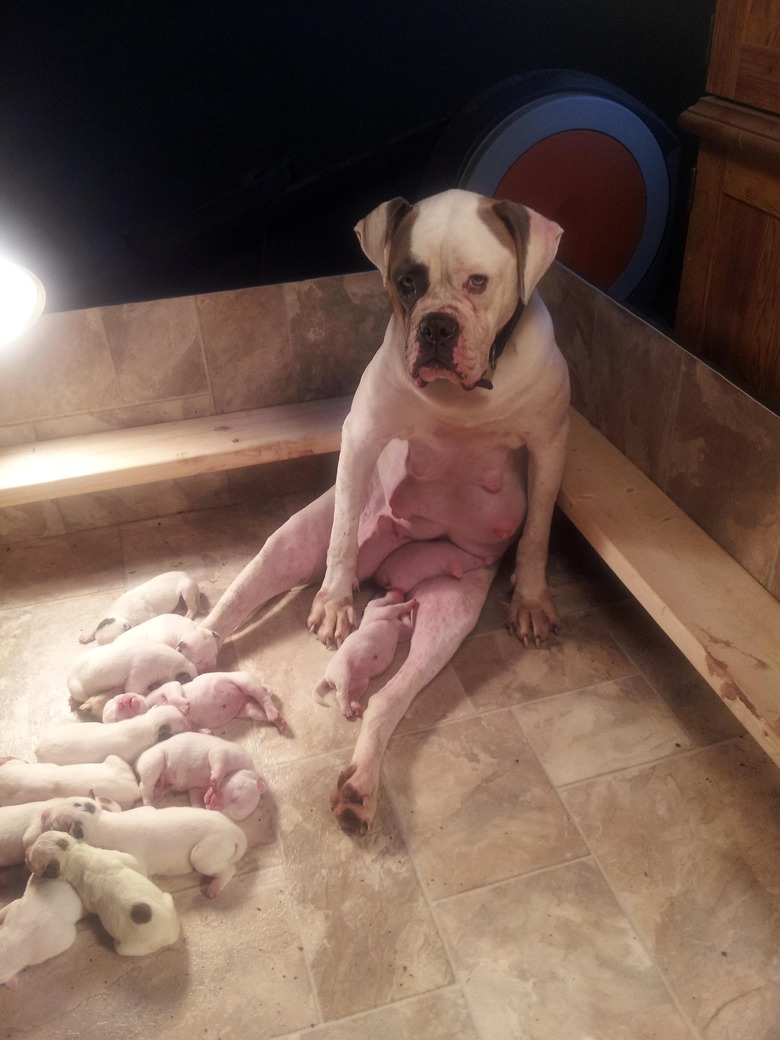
[
  {"x": 51, "y": 870},
  {"x": 75, "y": 831},
  {"x": 164, "y": 733},
  {"x": 375, "y": 231},
  {"x": 536, "y": 242}
]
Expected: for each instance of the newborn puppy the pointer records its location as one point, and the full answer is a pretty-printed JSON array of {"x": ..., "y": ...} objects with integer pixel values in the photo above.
[
  {"x": 35, "y": 781},
  {"x": 20, "y": 825},
  {"x": 367, "y": 651},
  {"x": 136, "y": 914},
  {"x": 213, "y": 699},
  {"x": 198, "y": 644},
  {"x": 124, "y": 706},
  {"x": 134, "y": 667},
  {"x": 218, "y": 773},
  {"x": 74, "y": 741},
  {"x": 414, "y": 562},
  {"x": 164, "y": 841},
  {"x": 161, "y": 595},
  {"x": 38, "y": 926}
]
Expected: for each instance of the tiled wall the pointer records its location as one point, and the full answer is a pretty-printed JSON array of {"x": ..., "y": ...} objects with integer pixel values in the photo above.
[{"x": 710, "y": 446}]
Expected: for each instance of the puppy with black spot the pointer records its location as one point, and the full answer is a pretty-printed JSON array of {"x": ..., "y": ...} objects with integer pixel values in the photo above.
[
  {"x": 136, "y": 914},
  {"x": 164, "y": 594}
]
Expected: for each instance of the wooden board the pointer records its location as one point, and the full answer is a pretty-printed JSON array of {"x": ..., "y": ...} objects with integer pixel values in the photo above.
[
  {"x": 140, "y": 455},
  {"x": 726, "y": 624}
]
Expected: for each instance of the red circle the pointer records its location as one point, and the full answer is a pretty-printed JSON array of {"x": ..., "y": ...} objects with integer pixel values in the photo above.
[{"x": 593, "y": 187}]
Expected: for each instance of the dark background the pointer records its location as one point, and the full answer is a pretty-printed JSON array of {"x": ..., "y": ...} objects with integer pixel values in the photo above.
[{"x": 152, "y": 149}]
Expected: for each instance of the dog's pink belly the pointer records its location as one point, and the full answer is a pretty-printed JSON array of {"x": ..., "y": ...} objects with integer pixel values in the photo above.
[{"x": 478, "y": 519}]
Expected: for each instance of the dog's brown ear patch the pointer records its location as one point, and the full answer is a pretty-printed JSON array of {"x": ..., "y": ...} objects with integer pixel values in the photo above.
[
  {"x": 62, "y": 844},
  {"x": 76, "y": 831},
  {"x": 51, "y": 870},
  {"x": 164, "y": 733},
  {"x": 140, "y": 913}
]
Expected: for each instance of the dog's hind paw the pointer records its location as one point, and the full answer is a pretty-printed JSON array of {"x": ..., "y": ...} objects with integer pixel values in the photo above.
[{"x": 354, "y": 810}]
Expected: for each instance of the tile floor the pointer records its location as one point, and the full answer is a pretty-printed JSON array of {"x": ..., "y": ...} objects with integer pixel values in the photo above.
[{"x": 572, "y": 844}]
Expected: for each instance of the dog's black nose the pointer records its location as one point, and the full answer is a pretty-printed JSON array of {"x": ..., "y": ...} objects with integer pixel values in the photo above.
[{"x": 439, "y": 330}]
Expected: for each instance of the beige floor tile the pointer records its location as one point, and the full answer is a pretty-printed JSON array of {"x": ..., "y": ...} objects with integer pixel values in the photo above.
[
  {"x": 551, "y": 957},
  {"x": 365, "y": 923},
  {"x": 16, "y": 657},
  {"x": 474, "y": 805},
  {"x": 497, "y": 671},
  {"x": 705, "y": 717},
  {"x": 438, "y": 1016},
  {"x": 611, "y": 726},
  {"x": 691, "y": 846},
  {"x": 212, "y": 545},
  {"x": 59, "y": 567},
  {"x": 237, "y": 971}
]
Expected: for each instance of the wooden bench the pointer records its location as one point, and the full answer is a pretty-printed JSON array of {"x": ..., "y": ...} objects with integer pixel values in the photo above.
[
  {"x": 167, "y": 451},
  {"x": 724, "y": 622}
]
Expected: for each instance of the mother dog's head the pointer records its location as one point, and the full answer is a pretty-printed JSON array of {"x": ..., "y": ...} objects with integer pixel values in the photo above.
[{"x": 459, "y": 268}]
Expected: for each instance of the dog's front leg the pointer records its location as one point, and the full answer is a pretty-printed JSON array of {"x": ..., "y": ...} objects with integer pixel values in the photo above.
[
  {"x": 532, "y": 614},
  {"x": 332, "y": 616}
]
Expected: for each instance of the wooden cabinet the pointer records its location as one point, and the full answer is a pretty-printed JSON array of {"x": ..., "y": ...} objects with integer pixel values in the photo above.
[{"x": 729, "y": 304}]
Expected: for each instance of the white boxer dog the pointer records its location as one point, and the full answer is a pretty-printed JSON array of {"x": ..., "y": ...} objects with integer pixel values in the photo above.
[
  {"x": 168, "y": 841},
  {"x": 198, "y": 644},
  {"x": 161, "y": 595},
  {"x": 458, "y": 430},
  {"x": 36, "y": 781},
  {"x": 136, "y": 914},
  {"x": 71, "y": 741},
  {"x": 217, "y": 773},
  {"x": 38, "y": 926}
]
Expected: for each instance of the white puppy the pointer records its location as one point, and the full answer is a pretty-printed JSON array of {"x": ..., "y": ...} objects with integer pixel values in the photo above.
[
  {"x": 213, "y": 699},
  {"x": 20, "y": 825},
  {"x": 160, "y": 595},
  {"x": 218, "y": 773},
  {"x": 68, "y": 742},
  {"x": 198, "y": 644},
  {"x": 136, "y": 914},
  {"x": 164, "y": 841},
  {"x": 135, "y": 667},
  {"x": 35, "y": 781},
  {"x": 38, "y": 926}
]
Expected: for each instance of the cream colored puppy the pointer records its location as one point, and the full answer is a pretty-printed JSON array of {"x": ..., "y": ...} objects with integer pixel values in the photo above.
[
  {"x": 38, "y": 926},
  {"x": 136, "y": 914}
]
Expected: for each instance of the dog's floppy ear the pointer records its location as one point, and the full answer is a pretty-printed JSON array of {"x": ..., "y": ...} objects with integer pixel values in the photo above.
[
  {"x": 51, "y": 870},
  {"x": 536, "y": 242},
  {"x": 76, "y": 830},
  {"x": 375, "y": 231}
]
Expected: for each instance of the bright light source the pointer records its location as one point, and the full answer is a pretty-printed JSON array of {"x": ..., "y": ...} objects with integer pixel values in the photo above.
[{"x": 22, "y": 297}]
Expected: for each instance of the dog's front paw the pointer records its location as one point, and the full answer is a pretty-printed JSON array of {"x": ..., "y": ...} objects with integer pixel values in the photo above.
[
  {"x": 353, "y": 801},
  {"x": 332, "y": 618},
  {"x": 533, "y": 620}
]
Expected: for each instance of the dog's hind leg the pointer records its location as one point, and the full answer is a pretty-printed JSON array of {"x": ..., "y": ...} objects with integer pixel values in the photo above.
[
  {"x": 293, "y": 555},
  {"x": 448, "y": 608}
]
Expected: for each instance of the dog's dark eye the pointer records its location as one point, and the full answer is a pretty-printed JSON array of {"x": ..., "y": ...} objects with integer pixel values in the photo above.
[
  {"x": 478, "y": 282},
  {"x": 406, "y": 285}
]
